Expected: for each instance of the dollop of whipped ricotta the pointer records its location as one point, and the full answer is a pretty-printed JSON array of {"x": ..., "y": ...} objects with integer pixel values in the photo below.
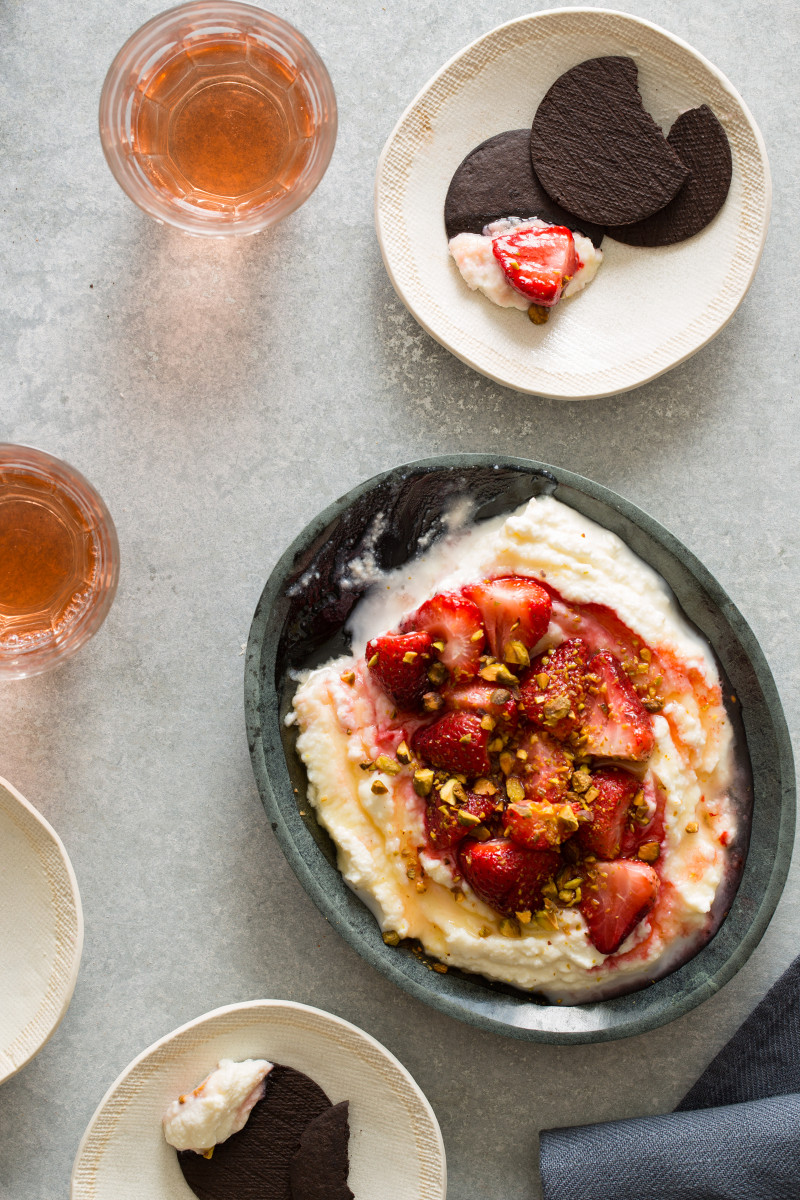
[
  {"x": 218, "y": 1107},
  {"x": 480, "y": 270},
  {"x": 346, "y": 721}
]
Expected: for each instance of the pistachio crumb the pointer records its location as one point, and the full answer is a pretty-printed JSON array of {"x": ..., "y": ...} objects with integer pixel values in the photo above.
[{"x": 379, "y": 787}]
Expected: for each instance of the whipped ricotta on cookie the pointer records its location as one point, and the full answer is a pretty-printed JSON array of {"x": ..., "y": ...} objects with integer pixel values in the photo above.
[{"x": 526, "y": 764}]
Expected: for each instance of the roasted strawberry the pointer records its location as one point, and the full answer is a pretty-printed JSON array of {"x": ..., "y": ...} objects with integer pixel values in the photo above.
[
  {"x": 540, "y": 825},
  {"x": 447, "y": 825},
  {"x": 616, "y": 897},
  {"x": 538, "y": 262},
  {"x": 400, "y": 662},
  {"x": 507, "y": 877},
  {"x": 485, "y": 699},
  {"x": 514, "y": 609},
  {"x": 545, "y": 770},
  {"x": 615, "y": 723},
  {"x": 552, "y": 692},
  {"x": 454, "y": 620},
  {"x": 645, "y": 831},
  {"x": 455, "y": 742},
  {"x": 610, "y": 809}
]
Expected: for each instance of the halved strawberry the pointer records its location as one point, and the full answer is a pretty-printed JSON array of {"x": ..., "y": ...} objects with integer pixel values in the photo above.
[
  {"x": 616, "y": 897},
  {"x": 546, "y": 770},
  {"x": 540, "y": 825},
  {"x": 538, "y": 262},
  {"x": 453, "y": 619},
  {"x": 456, "y": 742},
  {"x": 399, "y": 662},
  {"x": 554, "y": 689},
  {"x": 446, "y": 828},
  {"x": 507, "y": 877},
  {"x": 514, "y": 609},
  {"x": 603, "y": 834},
  {"x": 485, "y": 699},
  {"x": 615, "y": 723}
]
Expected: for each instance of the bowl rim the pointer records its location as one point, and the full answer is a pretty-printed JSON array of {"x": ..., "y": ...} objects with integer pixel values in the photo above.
[
  {"x": 273, "y": 791},
  {"x": 411, "y": 301}
]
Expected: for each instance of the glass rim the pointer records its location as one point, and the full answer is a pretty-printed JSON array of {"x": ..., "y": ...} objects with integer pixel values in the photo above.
[
  {"x": 21, "y": 663},
  {"x": 125, "y": 72}
]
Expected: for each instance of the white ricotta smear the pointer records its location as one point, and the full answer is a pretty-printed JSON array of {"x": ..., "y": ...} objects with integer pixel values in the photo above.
[
  {"x": 218, "y": 1107},
  {"x": 482, "y": 272},
  {"x": 383, "y": 852}
]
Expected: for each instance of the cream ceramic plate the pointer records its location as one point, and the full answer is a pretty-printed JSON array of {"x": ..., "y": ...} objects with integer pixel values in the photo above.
[
  {"x": 647, "y": 310},
  {"x": 41, "y": 931},
  {"x": 396, "y": 1150}
]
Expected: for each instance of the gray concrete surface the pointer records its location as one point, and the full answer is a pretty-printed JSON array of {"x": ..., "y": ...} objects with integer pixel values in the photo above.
[{"x": 218, "y": 395}]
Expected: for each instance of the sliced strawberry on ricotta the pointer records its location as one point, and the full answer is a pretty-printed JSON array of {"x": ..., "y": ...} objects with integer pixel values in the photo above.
[
  {"x": 539, "y": 263},
  {"x": 446, "y": 825},
  {"x": 508, "y": 878},
  {"x": 615, "y": 723},
  {"x": 514, "y": 609},
  {"x": 399, "y": 662},
  {"x": 539, "y": 825},
  {"x": 485, "y": 699},
  {"x": 545, "y": 769},
  {"x": 616, "y": 897},
  {"x": 455, "y": 742},
  {"x": 454, "y": 620},
  {"x": 609, "y": 811},
  {"x": 553, "y": 691}
]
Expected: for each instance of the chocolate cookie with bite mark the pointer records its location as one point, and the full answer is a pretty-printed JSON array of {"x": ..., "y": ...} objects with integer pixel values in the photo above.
[
  {"x": 702, "y": 145},
  {"x": 597, "y": 151},
  {"x": 497, "y": 180}
]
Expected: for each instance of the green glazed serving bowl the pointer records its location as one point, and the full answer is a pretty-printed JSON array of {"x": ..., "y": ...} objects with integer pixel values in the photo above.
[{"x": 299, "y": 622}]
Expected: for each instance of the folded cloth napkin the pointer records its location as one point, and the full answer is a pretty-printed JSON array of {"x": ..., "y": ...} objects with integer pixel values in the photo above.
[{"x": 734, "y": 1136}]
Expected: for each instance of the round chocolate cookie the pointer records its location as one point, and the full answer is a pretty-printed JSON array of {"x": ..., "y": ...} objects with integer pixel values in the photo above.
[
  {"x": 497, "y": 180},
  {"x": 320, "y": 1168},
  {"x": 702, "y": 144},
  {"x": 255, "y": 1163},
  {"x": 597, "y": 151}
]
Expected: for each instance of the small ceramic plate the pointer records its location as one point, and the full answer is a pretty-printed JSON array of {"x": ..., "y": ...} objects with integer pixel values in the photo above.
[
  {"x": 396, "y": 1150},
  {"x": 648, "y": 309},
  {"x": 300, "y": 621},
  {"x": 41, "y": 931}
]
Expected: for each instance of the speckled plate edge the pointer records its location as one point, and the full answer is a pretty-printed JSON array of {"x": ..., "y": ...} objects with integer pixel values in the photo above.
[
  {"x": 417, "y": 125},
  {"x": 102, "y": 1127},
  {"x": 66, "y": 904},
  {"x": 351, "y": 919}
]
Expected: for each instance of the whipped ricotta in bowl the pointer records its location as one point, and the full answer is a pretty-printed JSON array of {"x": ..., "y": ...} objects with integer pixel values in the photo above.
[{"x": 354, "y": 743}]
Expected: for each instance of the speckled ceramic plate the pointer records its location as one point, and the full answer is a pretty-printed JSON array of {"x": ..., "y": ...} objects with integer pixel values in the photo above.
[
  {"x": 299, "y": 621},
  {"x": 41, "y": 931},
  {"x": 396, "y": 1150},
  {"x": 647, "y": 310}
]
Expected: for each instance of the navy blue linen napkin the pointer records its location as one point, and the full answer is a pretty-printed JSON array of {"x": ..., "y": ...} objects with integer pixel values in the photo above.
[{"x": 734, "y": 1136}]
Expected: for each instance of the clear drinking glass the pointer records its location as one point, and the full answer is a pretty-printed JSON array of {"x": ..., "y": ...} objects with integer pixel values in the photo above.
[
  {"x": 218, "y": 118},
  {"x": 59, "y": 561}
]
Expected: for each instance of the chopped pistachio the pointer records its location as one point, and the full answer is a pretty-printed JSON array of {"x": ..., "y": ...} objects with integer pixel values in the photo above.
[
  {"x": 484, "y": 787},
  {"x": 481, "y": 834},
  {"x": 423, "y": 781},
  {"x": 555, "y": 709},
  {"x": 367, "y": 766},
  {"x": 497, "y": 673},
  {"x": 439, "y": 647},
  {"x": 568, "y": 817},
  {"x": 420, "y": 885},
  {"x": 509, "y": 927},
  {"x": 591, "y": 795},
  {"x": 477, "y": 636},
  {"x": 500, "y": 696},
  {"x": 453, "y": 792},
  {"x": 379, "y": 787},
  {"x": 373, "y": 662},
  {"x": 546, "y": 919},
  {"x": 542, "y": 680},
  {"x": 432, "y": 702},
  {"x": 581, "y": 781},
  {"x": 539, "y": 314},
  {"x": 522, "y": 755},
  {"x": 403, "y": 753},
  {"x": 649, "y": 852},
  {"x": 645, "y": 654},
  {"x": 438, "y": 673},
  {"x": 348, "y": 677},
  {"x": 495, "y": 745},
  {"x": 550, "y": 890},
  {"x": 484, "y": 931},
  {"x": 507, "y": 762},
  {"x": 440, "y": 967},
  {"x": 409, "y": 656},
  {"x": 488, "y": 723},
  {"x": 524, "y": 917},
  {"x": 467, "y": 818},
  {"x": 692, "y": 827},
  {"x": 653, "y": 704},
  {"x": 389, "y": 765},
  {"x": 517, "y": 653},
  {"x": 515, "y": 790},
  {"x": 391, "y": 938},
  {"x": 209, "y": 1153}
]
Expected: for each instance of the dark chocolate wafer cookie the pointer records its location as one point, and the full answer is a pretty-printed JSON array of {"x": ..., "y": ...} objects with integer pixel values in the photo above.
[
  {"x": 497, "y": 180},
  {"x": 320, "y": 1167},
  {"x": 702, "y": 144},
  {"x": 597, "y": 151},
  {"x": 254, "y": 1164}
]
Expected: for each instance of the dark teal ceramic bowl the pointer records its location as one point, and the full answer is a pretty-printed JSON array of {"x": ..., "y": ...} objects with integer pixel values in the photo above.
[{"x": 299, "y": 622}]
